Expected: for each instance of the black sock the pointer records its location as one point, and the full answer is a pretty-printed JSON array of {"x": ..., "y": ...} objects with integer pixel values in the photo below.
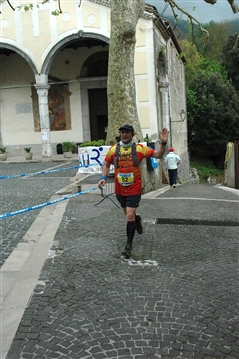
[{"x": 130, "y": 230}]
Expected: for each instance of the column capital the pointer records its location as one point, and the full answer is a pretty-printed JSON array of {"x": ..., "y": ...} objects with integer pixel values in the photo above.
[
  {"x": 42, "y": 88},
  {"x": 163, "y": 88}
]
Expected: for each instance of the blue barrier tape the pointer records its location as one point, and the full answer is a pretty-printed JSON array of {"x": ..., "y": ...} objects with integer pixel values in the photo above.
[
  {"x": 39, "y": 173},
  {"x": 6, "y": 215}
]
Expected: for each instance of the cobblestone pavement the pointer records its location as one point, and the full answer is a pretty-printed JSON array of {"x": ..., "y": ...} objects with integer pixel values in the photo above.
[
  {"x": 23, "y": 192},
  {"x": 176, "y": 298}
]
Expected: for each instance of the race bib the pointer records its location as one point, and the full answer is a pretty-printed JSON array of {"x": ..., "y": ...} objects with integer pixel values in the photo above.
[{"x": 126, "y": 179}]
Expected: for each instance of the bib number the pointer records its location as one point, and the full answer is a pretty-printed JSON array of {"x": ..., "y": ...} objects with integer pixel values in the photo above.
[{"x": 126, "y": 179}]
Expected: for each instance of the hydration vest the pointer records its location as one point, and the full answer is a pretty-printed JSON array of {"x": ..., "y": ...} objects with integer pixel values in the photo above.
[{"x": 134, "y": 155}]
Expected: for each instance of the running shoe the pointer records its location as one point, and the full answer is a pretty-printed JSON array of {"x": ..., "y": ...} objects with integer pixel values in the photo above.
[{"x": 127, "y": 250}]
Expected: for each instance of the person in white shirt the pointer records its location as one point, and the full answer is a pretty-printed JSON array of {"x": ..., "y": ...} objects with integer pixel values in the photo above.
[{"x": 171, "y": 161}]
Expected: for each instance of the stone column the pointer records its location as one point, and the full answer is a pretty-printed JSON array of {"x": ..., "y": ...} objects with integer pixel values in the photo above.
[
  {"x": 165, "y": 105},
  {"x": 164, "y": 89},
  {"x": 42, "y": 87}
]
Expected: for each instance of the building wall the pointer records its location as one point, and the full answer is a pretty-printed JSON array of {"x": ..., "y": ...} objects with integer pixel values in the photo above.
[
  {"x": 177, "y": 100},
  {"x": 37, "y": 37}
]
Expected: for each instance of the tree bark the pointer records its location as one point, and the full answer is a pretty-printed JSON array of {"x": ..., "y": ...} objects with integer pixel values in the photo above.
[{"x": 121, "y": 80}]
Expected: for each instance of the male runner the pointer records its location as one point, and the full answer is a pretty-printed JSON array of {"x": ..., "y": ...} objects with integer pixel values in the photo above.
[{"x": 126, "y": 157}]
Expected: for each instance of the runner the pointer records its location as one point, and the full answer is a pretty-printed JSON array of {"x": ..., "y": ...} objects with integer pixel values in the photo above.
[{"x": 126, "y": 157}]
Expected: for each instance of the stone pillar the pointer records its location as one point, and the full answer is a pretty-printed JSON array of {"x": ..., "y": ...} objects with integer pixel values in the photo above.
[
  {"x": 164, "y": 89},
  {"x": 42, "y": 87},
  {"x": 165, "y": 106}
]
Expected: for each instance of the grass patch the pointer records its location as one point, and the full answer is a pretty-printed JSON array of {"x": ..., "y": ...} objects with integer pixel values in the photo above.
[{"x": 205, "y": 168}]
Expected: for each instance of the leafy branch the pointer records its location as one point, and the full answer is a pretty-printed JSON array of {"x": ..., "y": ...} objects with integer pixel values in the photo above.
[
  {"x": 31, "y": 6},
  {"x": 191, "y": 18}
]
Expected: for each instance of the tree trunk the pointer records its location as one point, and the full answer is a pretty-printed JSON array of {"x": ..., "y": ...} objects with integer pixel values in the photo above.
[{"x": 121, "y": 81}]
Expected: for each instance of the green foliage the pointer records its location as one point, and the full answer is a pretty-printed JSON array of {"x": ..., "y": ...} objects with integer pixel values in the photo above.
[
  {"x": 194, "y": 60},
  {"x": 68, "y": 146},
  {"x": 197, "y": 63},
  {"x": 212, "y": 100},
  {"x": 27, "y": 7},
  {"x": 194, "y": 106},
  {"x": 231, "y": 60},
  {"x": 31, "y": 6},
  {"x": 185, "y": 28},
  {"x": 218, "y": 36},
  {"x": 27, "y": 149},
  {"x": 213, "y": 115},
  {"x": 181, "y": 55},
  {"x": 210, "y": 66},
  {"x": 205, "y": 168},
  {"x": 3, "y": 149},
  {"x": 93, "y": 143},
  {"x": 56, "y": 12}
]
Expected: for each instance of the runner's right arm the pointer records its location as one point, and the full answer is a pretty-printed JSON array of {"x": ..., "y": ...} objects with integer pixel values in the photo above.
[{"x": 105, "y": 172}]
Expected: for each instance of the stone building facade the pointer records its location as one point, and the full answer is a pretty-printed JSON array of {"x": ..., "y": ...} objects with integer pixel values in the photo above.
[{"x": 54, "y": 76}]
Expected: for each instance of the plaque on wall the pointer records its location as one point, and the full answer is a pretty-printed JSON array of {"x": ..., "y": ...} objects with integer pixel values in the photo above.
[{"x": 23, "y": 108}]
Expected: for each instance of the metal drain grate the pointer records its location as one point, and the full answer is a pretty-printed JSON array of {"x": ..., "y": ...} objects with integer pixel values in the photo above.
[{"x": 196, "y": 222}]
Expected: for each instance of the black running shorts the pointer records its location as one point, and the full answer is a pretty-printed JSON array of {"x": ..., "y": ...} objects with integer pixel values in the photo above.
[{"x": 129, "y": 201}]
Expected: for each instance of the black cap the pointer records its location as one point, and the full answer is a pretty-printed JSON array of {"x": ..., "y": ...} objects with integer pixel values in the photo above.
[{"x": 127, "y": 127}]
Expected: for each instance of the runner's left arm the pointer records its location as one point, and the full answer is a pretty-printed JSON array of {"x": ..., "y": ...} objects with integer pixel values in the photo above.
[{"x": 163, "y": 136}]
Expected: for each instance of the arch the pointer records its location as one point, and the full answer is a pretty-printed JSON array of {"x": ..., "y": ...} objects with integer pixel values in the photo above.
[
  {"x": 21, "y": 53},
  {"x": 95, "y": 65},
  {"x": 70, "y": 39},
  {"x": 161, "y": 64}
]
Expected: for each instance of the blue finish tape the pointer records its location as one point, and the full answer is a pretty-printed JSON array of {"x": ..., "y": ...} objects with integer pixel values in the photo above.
[
  {"x": 39, "y": 173},
  {"x": 10, "y": 214}
]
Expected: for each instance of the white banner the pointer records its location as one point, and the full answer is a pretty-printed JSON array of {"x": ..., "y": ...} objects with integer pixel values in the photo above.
[{"x": 91, "y": 158}]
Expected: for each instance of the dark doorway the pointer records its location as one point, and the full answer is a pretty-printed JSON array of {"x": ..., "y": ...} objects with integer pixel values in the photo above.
[{"x": 98, "y": 113}]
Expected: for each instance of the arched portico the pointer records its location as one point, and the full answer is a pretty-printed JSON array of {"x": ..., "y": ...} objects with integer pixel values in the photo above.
[
  {"x": 82, "y": 55},
  {"x": 94, "y": 71},
  {"x": 7, "y": 49},
  {"x": 86, "y": 54},
  {"x": 80, "y": 37},
  {"x": 17, "y": 74},
  {"x": 64, "y": 68}
]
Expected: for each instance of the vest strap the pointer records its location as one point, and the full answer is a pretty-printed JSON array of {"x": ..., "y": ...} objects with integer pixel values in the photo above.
[{"x": 134, "y": 155}]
